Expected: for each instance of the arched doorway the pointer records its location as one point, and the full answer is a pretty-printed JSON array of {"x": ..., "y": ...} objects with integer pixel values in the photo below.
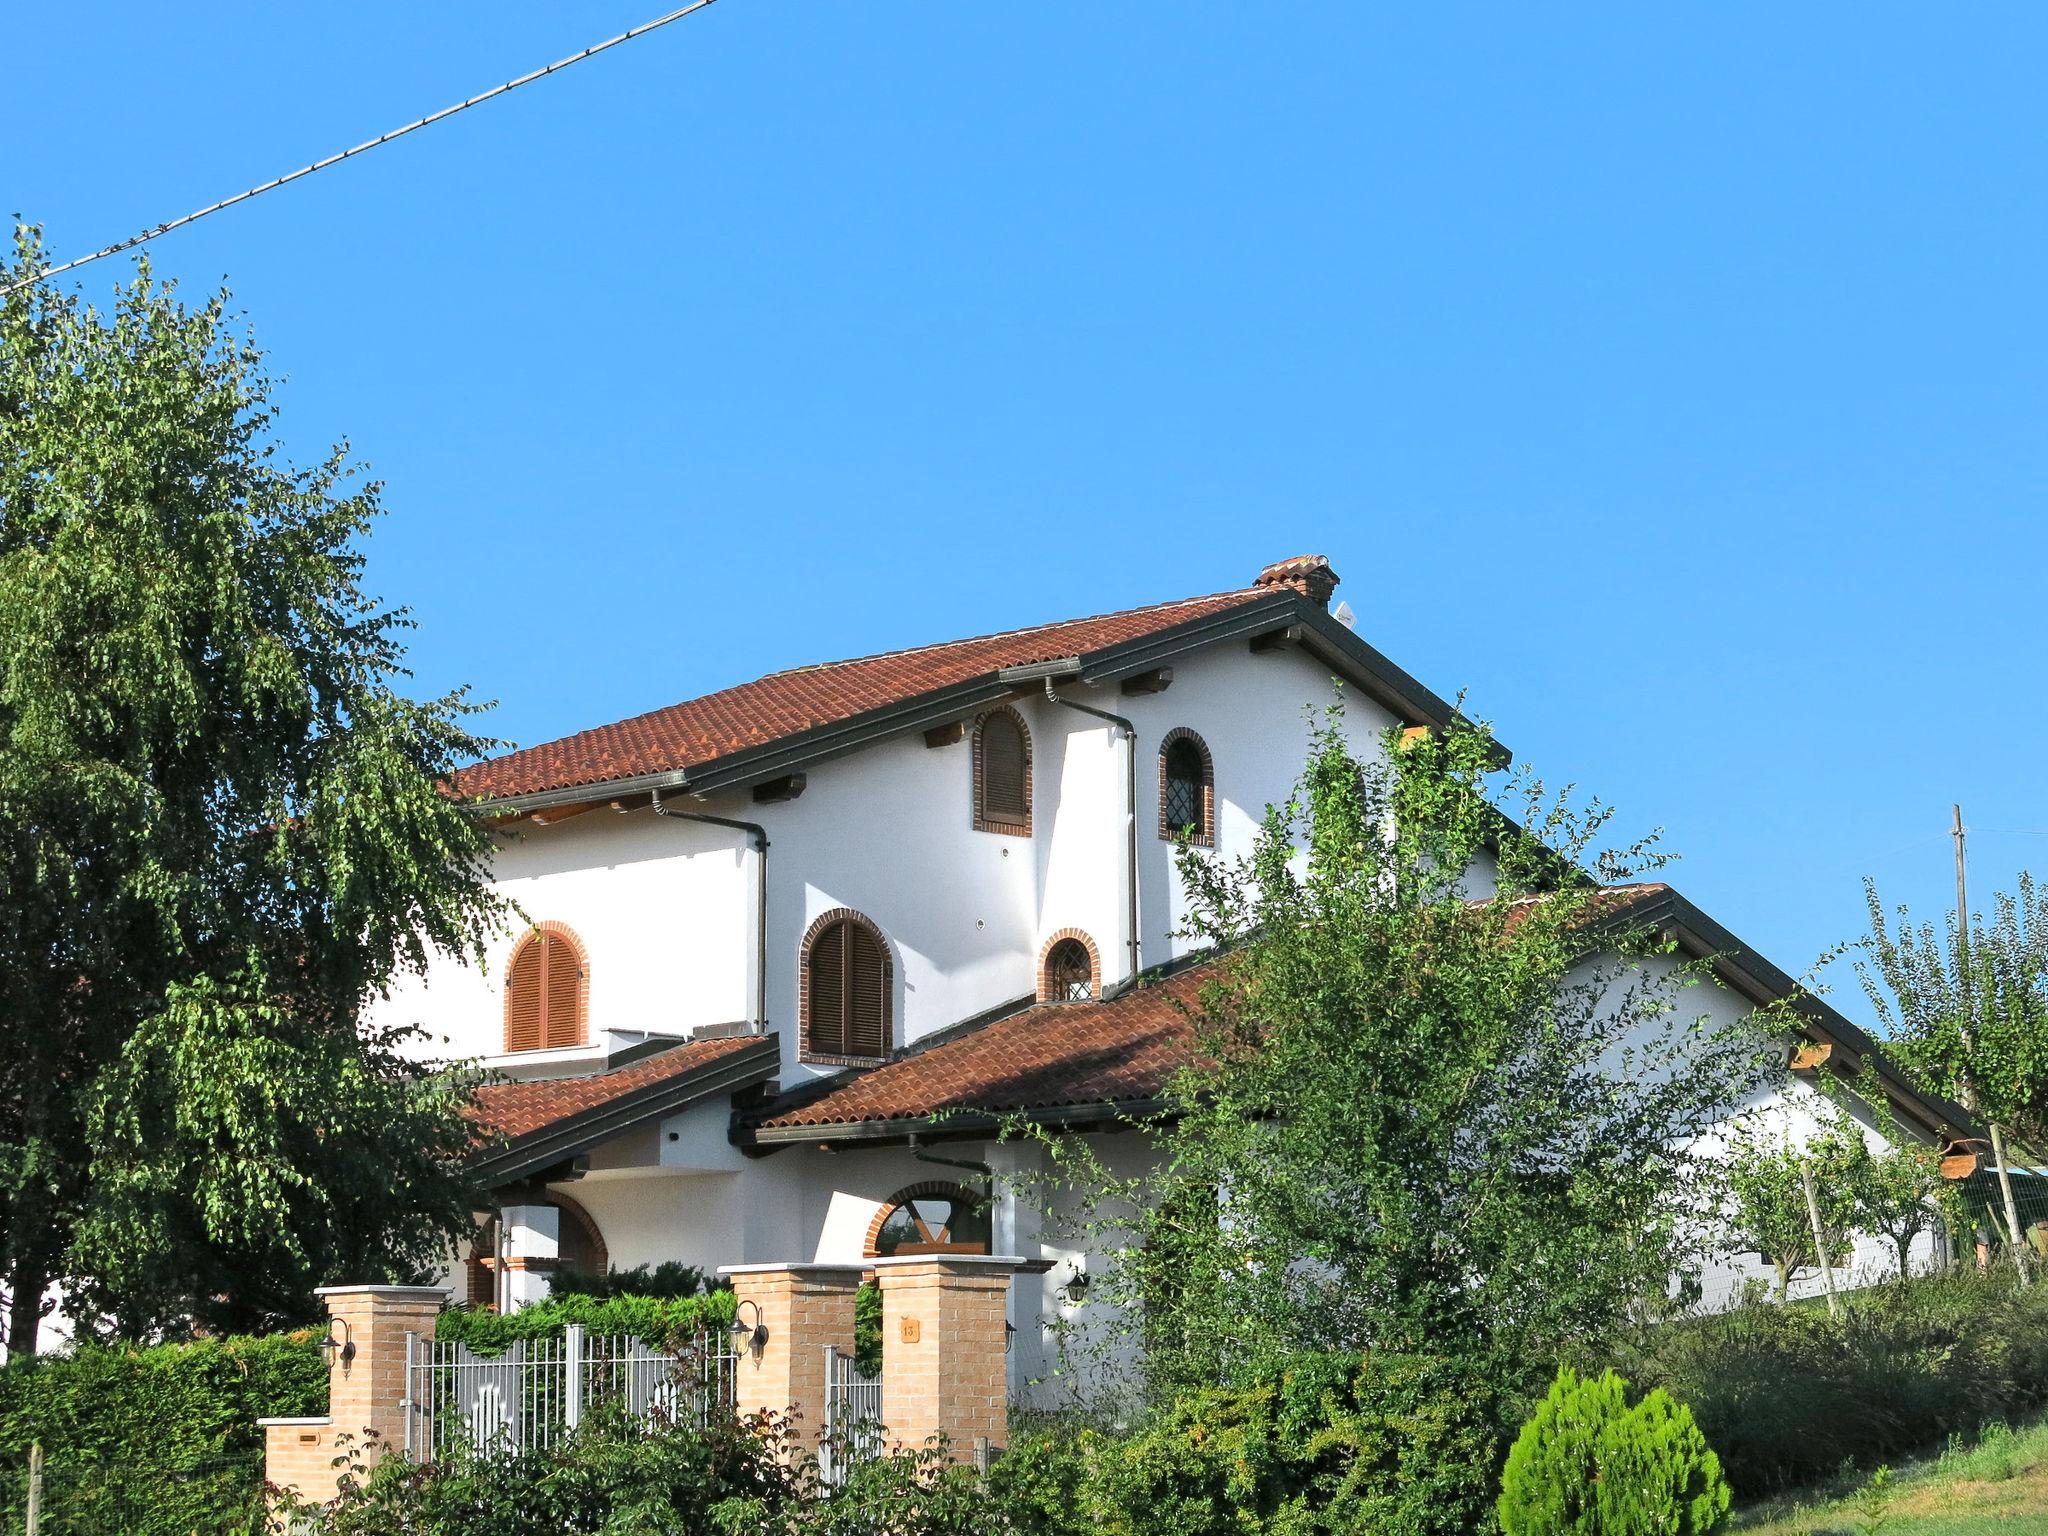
[{"x": 930, "y": 1218}]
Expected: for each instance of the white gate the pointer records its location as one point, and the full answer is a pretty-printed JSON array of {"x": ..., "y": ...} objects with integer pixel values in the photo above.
[
  {"x": 853, "y": 1417},
  {"x": 536, "y": 1392}
]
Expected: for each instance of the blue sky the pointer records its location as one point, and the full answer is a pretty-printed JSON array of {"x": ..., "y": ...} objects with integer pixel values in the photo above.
[{"x": 1667, "y": 378}]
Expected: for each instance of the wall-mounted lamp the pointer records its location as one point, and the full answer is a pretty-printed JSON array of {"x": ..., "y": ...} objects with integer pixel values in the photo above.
[
  {"x": 342, "y": 1348},
  {"x": 754, "y": 1335},
  {"x": 1075, "y": 1291}
]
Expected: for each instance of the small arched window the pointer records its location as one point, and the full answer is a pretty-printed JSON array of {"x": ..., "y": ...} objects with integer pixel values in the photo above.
[
  {"x": 1002, "y": 773},
  {"x": 1069, "y": 973},
  {"x": 930, "y": 1218},
  {"x": 1187, "y": 789},
  {"x": 846, "y": 986},
  {"x": 547, "y": 991}
]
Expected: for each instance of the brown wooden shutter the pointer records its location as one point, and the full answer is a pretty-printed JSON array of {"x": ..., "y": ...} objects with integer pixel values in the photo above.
[
  {"x": 827, "y": 1021},
  {"x": 1003, "y": 791},
  {"x": 867, "y": 995},
  {"x": 526, "y": 996},
  {"x": 564, "y": 1023}
]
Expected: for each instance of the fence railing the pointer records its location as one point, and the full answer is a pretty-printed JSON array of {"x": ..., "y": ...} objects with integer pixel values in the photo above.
[
  {"x": 853, "y": 1417},
  {"x": 537, "y": 1392}
]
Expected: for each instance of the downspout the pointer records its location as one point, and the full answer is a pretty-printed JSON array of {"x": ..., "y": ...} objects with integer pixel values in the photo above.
[
  {"x": 760, "y": 835},
  {"x": 988, "y": 1174},
  {"x": 1130, "y": 804}
]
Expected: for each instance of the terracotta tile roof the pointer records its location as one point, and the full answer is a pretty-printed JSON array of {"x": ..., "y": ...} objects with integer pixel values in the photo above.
[
  {"x": 1052, "y": 1056},
  {"x": 783, "y": 704},
  {"x": 520, "y": 1109}
]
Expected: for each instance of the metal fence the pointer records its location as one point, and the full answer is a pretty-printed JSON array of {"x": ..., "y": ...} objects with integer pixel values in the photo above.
[
  {"x": 853, "y": 1417},
  {"x": 537, "y": 1392}
]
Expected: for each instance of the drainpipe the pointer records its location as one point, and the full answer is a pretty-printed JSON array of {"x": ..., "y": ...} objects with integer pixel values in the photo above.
[
  {"x": 1130, "y": 801},
  {"x": 759, "y": 834},
  {"x": 988, "y": 1174}
]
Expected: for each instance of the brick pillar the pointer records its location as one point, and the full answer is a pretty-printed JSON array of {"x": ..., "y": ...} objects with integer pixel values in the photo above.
[
  {"x": 943, "y": 1358},
  {"x": 804, "y": 1307},
  {"x": 365, "y": 1392}
]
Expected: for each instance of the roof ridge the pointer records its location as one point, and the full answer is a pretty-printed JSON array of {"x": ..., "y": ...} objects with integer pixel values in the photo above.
[{"x": 1006, "y": 634}]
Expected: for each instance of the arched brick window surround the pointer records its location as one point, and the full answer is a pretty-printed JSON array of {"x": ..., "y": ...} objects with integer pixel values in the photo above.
[
  {"x": 931, "y": 1189},
  {"x": 1045, "y": 992},
  {"x": 583, "y": 1249},
  {"x": 984, "y": 819},
  {"x": 1204, "y": 833},
  {"x": 560, "y": 933},
  {"x": 823, "y": 921}
]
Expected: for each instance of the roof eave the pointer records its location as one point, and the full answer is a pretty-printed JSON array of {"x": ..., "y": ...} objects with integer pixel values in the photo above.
[
  {"x": 560, "y": 1139},
  {"x": 945, "y": 1123}
]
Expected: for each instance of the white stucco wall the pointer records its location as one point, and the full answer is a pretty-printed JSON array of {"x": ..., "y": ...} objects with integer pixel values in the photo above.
[{"x": 665, "y": 909}]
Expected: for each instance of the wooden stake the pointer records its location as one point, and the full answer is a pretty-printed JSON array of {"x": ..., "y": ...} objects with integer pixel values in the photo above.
[
  {"x": 1820, "y": 1246},
  {"x": 35, "y": 1489}
]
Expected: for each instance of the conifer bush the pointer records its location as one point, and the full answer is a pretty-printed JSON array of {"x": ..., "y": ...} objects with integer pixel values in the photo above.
[{"x": 1588, "y": 1464}]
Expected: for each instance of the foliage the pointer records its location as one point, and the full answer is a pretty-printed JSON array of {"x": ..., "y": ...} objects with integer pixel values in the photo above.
[
  {"x": 1786, "y": 1395},
  {"x": 223, "y": 830},
  {"x": 1765, "y": 1195},
  {"x": 668, "y": 1282},
  {"x": 158, "y": 1441},
  {"x": 867, "y": 1327},
  {"x": 1415, "y": 1117},
  {"x": 1966, "y": 1011},
  {"x": 1898, "y": 1188},
  {"x": 1588, "y": 1464},
  {"x": 656, "y": 1319},
  {"x": 617, "y": 1474}
]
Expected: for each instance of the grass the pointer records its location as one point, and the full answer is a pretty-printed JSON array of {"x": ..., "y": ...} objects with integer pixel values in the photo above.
[{"x": 1997, "y": 1486}]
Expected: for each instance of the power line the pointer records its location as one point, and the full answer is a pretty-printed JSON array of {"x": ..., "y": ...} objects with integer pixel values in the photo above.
[{"x": 368, "y": 144}]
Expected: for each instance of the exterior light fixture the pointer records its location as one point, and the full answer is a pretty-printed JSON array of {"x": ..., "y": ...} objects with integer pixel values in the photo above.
[
  {"x": 342, "y": 1348},
  {"x": 753, "y": 1336},
  {"x": 1075, "y": 1291}
]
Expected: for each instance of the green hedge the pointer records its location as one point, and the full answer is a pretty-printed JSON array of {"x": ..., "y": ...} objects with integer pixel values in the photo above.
[
  {"x": 158, "y": 1441},
  {"x": 1786, "y": 1394},
  {"x": 658, "y": 1320}
]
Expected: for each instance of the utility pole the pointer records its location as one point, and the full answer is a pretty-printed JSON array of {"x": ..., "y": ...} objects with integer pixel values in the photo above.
[{"x": 2012, "y": 1210}]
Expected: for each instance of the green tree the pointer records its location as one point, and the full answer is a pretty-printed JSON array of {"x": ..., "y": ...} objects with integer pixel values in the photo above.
[
  {"x": 1424, "y": 1114},
  {"x": 223, "y": 830},
  {"x": 1965, "y": 1013},
  {"x": 1898, "y": 1188},
  {"x": 1764, "y": 1194}
]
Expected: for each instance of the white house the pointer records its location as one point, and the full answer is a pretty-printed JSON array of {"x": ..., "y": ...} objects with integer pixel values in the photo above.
[{"x": 776, "y": 929}]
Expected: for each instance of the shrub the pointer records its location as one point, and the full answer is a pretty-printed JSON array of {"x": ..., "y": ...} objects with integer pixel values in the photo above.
[
  {"x": 1320, "y": 1443},
  {"x": 658, "y": 1320},
  {"x": 1587, "y": 1464},
  {"x": 665, "y": 1282},
  {"x": 1787, "y": 1395},
  {"x": 157, "y": 1441}
]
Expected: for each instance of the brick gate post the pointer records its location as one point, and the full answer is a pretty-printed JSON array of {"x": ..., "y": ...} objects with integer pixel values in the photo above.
[
  {"x": 944, "y": 1335},
  {"x": 803, "y": 1307}
]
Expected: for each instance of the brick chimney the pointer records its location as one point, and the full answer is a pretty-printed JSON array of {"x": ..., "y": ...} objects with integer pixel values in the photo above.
[{"x": 1310, "y": 575}]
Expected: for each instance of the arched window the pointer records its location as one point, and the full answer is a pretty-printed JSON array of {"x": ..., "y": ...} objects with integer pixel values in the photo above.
[
  {"x": 547, "y": 991},
  {"x": 846, "y": 986},
  {"x": 1187, "y": 789},
  {"x": 1069, "y": 972},
  {"x": 1002, "y": 773},
  {"x": 930, "y": 1218}
]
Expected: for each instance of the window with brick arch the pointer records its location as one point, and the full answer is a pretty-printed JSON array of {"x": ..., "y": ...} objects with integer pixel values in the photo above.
[
  {"x": 1187, "y": 789},
  {"x": 930, "y": 1218},
  {"x": 846, "y": 991},
  {"x": 1002, "y": 773},
  {"x": 547, "y": 991},
  {"x": 1069, "y": 973}
]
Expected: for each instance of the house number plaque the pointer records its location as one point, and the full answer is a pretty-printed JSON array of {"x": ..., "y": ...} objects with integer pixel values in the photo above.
[{"x": 910, "y": 1330}]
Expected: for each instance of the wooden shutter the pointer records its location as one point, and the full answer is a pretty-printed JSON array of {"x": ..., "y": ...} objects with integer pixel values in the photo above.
[
  {"x": 526, "y": 996},
  {"x": 867, "y": 995},
  {"x": 827, "y": 1022},
  {"x": 1005, "y": 794},
  {"x": 564, "y": 1022}
]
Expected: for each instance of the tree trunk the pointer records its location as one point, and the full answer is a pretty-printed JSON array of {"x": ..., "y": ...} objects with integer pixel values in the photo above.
[
  {"x": 2012, "y": 1210},
  {"x": 25, "y": 1308}
]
